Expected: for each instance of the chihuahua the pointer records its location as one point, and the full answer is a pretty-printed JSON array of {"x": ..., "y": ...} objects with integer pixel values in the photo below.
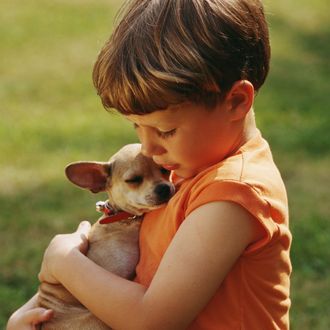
[{"x": 135, "y": 185}]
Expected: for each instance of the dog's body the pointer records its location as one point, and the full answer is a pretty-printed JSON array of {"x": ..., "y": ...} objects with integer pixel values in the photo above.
[{"x": 134, "y": 184}]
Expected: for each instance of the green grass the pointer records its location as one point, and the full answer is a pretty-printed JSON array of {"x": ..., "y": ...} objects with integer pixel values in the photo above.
[{"x": 50, "y": 116}]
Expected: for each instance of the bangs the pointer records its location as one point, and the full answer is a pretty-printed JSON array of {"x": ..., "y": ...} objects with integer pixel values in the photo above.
[
  {"x": 135, "y": 88},
  {"x": 138, "y": 71},
  {"x": 134, "y": 84}
]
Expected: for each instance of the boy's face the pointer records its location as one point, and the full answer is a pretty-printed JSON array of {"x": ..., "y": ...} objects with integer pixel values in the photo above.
[{"x": 188, "y": 138}]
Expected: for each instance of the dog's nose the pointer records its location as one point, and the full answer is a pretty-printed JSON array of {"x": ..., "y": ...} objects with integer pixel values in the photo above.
[{"x": 163, "y": 192}]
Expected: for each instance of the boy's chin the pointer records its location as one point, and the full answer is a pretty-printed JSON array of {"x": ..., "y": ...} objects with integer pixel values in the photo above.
[{"x": 186, "y": 173}]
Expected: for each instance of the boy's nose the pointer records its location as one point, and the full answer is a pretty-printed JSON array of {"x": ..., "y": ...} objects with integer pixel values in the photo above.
[
  {"x": 150, "y": 145},
  {"x": 150, "y": 148}
]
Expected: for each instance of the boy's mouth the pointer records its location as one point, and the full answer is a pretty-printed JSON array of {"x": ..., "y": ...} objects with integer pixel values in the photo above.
[{"x": 170, "y": 167}]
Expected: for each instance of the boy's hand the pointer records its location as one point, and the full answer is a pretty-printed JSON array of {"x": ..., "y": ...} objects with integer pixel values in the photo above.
[
  {"x": 29, "y": 316},
  {"x": 59, "y": 251}
]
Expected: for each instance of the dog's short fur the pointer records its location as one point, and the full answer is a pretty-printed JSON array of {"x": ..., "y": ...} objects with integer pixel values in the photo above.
[{"x": 135, "y": 184}]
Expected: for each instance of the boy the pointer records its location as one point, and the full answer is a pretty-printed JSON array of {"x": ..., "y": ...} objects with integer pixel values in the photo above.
[{"x": 185, "y": 73}]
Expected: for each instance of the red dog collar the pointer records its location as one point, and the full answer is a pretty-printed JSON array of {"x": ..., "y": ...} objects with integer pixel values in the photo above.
[
  {"x": 117, "y": 217},
  {"x": 111, "y": 215}
]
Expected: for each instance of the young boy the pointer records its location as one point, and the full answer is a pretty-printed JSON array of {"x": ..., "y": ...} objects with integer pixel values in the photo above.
[{"x": 185, "y": 73}]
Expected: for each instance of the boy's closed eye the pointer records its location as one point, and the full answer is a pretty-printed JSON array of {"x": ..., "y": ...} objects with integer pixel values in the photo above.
[
  {"x": 162, "y": 134},
  {"x": 166, "y": 134}
]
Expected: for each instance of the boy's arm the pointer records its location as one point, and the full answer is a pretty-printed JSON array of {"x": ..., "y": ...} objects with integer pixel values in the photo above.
[{"x": 202, "y": 252}]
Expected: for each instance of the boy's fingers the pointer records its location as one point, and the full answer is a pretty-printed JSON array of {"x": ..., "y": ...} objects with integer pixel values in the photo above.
[
  {"x": 33, "y": 316},
  {"x": 84, "y": 228},
  {"x": 41, "y": 315}
]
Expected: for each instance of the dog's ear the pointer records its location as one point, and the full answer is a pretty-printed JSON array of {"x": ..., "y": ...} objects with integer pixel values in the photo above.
[{"x": 89, "y": 175}]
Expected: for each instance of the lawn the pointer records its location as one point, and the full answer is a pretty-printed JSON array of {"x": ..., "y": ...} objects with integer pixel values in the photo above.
[{"x": 51, "y": 115}]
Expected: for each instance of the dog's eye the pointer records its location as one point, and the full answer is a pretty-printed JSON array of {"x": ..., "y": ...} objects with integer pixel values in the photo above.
[{"x": 135, "y": 179}]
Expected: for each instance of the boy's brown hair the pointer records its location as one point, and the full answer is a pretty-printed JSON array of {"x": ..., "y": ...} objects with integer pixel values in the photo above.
[{"x": 165, "y": 52}]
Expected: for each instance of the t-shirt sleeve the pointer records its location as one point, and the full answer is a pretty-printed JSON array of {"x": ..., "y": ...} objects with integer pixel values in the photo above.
[{"x": 243, "y": 194}]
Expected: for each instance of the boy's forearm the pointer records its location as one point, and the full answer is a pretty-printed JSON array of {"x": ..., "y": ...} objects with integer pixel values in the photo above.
[{"x": 114, "y": 300}]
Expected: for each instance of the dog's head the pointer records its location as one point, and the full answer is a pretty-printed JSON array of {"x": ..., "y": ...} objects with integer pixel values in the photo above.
[{"x": 134, "y": 183}]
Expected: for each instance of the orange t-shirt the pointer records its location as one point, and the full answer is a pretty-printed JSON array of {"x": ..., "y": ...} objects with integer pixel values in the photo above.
[{"x": 255, "y": 293}]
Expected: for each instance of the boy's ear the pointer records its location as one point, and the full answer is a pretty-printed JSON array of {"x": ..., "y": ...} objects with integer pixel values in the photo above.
[
  {"x": 240, "y": 99},
  {"x": 89, "y": 175}
]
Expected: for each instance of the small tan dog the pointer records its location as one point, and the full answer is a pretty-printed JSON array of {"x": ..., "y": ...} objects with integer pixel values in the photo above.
[{"x": 135, "y": 185}]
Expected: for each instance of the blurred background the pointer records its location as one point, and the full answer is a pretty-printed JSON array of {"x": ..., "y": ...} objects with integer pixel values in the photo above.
[{"x": 50, "y": 115}]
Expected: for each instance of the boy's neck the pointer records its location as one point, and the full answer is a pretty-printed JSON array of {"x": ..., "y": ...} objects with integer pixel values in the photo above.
[
  {"x": 250, "y": 126},
  {"x": 248, "y": 131}
]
